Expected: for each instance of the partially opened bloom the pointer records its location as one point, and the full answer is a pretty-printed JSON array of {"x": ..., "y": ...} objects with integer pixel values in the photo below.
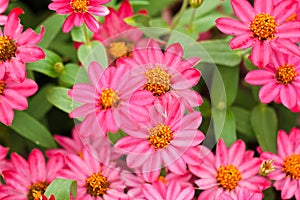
[
  {"x": 3, "y": 7},
  {"x": 286, "y": 175},
  {"x": 95, "y": 180},
  {"x": 80, "y": 11},
  {"x": 17, "y": 48},
  {"x": 280, "y": 80},
  {"x": 229, "y": 172},
  {"x": 265, "y": 28},
  {"x": 13, "y": 97},
  {"x": 164, "y": 140},
  {"x": 28, "y": 180}
]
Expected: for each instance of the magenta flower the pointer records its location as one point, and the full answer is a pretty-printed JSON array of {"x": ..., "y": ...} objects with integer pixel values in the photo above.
[
  {"x": 287, "y": 164},
  {"x": 17, "y": 48},
  {"x": 118, "y": 37},
  {"x": 29, "y": 179},
  {"x": 163, "y": 73},
  {"x": 105, "y": 100},
  {"x": 80, "y": 11},
  {"x": 229, "y": 172},
  {"x": 162, "y": 141},
  {"x": 264, "y": 28},
  {"x": 95, "y": 180},
  {"x": 280, "y": 80},
  {"x": 3, "y": 7},
  {"x": 13, "y": 97}
]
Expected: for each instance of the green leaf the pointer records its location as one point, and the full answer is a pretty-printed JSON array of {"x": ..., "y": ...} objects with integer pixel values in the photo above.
[
  {"x": 114, "y": 137},
  {"x": 68, "y": 76},
  {"x": 58, "y": 96},
  {"x": 138, "y": 20},
  {"x": 32, "y": 130},
  {"x": 49, "y": 66},
  {"x": 78, "y": 33},
  {"x": 264, "y": 123},
  {"x": 53, "y": 25},
  {"x": 139, "y": 2},
  {"x": 243, "y": 124},
  {"x": 228, "y": 133},
  {"x": 154, "y": 7},
  {"x": 93, "y": 52},
  {"x": 244, "y": 98},
  {"x": 287, "y": 119},
  {"x": 38, "y": 106},
  {"x": 61, "y": 189},
  {"x": 248, "y": 64}
]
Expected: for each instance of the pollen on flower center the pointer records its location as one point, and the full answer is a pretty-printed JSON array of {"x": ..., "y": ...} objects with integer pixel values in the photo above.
[
  {"x": 228, "y": 177},
  {"x": 160, "y": 136},
  {"x": 119, "y": 49},
  {"x": 266, "y": 167},
  {"x": 158, "y": 81},
  {"x": 285, "y": 74},
  {"x": 79, "y": 6},
  {"x": 263, "y": 26},
  {"x": 291, "y": 166},
  {"x": 8, "y": 48},
  {"x": 97, "y": 184},
  {"x": 36, "y": 190},
  {"x": 2, "y": 86},
  {"x": 108, "y": 99}
]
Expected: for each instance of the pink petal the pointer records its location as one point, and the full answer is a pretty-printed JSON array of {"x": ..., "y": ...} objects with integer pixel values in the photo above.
[
  {"x": 243, "y": 9},
  {"x": 187, "y": 138},
  {"x": 173, "y": 55},
  {"x": 6, "y": 114},
  {"x": 15, "y": 100},
  {"x": 268, "y": 92},
  {"x": 82, "y": 111},
  {"x": 37, "y": 166},
  {"x": 68, "y": 23},
  {"x": 261, "y": 53},
  {"x": 91, "y": 22},
  {"x": 98, "y": 10},
  {"x": 173, "y": 161},
  {"x": 288, "y": 96},
  {"x": 259, "y": 77},
  {"x": 236, "y": 153},
  {"x": 16, "y": 70},
  {"x": 284, "y": 10},
  {"x": 289, "y": 30},
  {"x": 29, "y": 37},
  {"x": 125, "y": 9},
  {"x": 83, "y": 92},
  {"x": 54, "y": 165},
  {"x": 153, "y": 163},
  {"x": 289, "y": 189},
  {"x": 95, "y": 72},
  {"x": 284, "y": 145},
  {"x": 221, "y": 154},
  {"x": 30, "y": 53},
  {"x": 3, "y": 5},
  {"x": 187, "y": 193},
  {"x": 231, "y": 26},
  {"x": 154, "y": 52},
  {"x": 206, "y": 183},
  {"x": 78, "y": 19},
  {"x": 263, "y": 6},
  {"x": 13, "y": 27},
  {"x": 285, "y": 46},
  {"x": 242, "y": 41},
  {"x": 151, "y": 193},
  {"x": 27, "y": 88},
  {"x": 192, "y": 76},
  {"x": 188, "y": 63},
  {"x": 3, "y": 20},
  {"x": 131, "y": 144}
]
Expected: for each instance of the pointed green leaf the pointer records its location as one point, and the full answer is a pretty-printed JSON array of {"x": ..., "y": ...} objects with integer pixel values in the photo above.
[{"x": 62, "y": 189}]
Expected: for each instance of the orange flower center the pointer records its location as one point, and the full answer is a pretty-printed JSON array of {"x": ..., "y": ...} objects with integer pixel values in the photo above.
[
  {"x": 285, "y": 74},
  {"x": 158, "y": 81},
  {"x": 160, "y": 136},
  {"x": 266, "y": 167},
  {"x": 263, "y": 26},
  {"x": 8, "y": 48},
  {"x": 2, "y": 86},
  {"x": 291, "y": 166},
  {"x": 119, "y": 50},
  {"x": 97, "y": 185},
  {"x": 108, "y": 99},
  {"x": 228, "y": 177},
  {"x": 36, "y": 190},
  {"x": 79, "y": 6}
]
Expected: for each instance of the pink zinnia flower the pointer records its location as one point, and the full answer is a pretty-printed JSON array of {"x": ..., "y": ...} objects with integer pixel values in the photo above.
[
  {"x": 17, "y": 48},
  {"x": 95, "y": 180},
  {"x": 105, "y": 99},
  {"x": 229, "y": 172},
  {"x": 163, "y": 73},
  {"x": 13, "y": 97},
  {"x": 80, "y": 11},
  {"x": 287, "y": 164},
  {"x": 264, "y": 28},
  {"x": 243, "y": 195},
  {"x": 162, "y": 141},
  {"x": 3, "y": 7},
  {"x": 29, "y": 179},
  {"x": 118, "y": 37},
  {"x": 280, "y": 80}
]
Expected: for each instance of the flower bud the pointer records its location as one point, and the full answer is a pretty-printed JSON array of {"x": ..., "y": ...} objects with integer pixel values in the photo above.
[{"x": 195, "y": 3}]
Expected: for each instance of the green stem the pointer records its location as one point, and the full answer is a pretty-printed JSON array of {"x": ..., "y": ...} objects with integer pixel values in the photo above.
[
  {"x": 192, "y": 19},
  {"x": 86, "y": 35},
  {"x": 182, "y": 9}
]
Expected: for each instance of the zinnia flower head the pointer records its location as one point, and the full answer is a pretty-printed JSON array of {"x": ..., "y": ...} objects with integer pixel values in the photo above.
[
  {"x": 80, "y": 11},
  {"x": 265, "y": 28},
  {"x": 280, "y": 80},
  {"x": 286, "y": 175},
  {"x": 13, "y": 97},
  {"x": 3, "y": 7},
  {"x": 28, "y": 180},
  {"x": 17, "y": 48},
  {"x": 229, "y": 172}
]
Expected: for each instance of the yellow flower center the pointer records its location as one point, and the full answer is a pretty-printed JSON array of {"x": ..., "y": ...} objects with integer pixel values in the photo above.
[
  {"x": 79, "y": 6},
  {"x": 291, "y": 166},
  {"x": 263, "y": 26},
  {"x": 8, "y": 48},
  {"x": 108, "y": 99},
  {"x": 266, "y": 167},
  {"x": 160, "y": 136},
  {"x": 36, "y": 190},
  {"x": 285, "y": 74},
  {"x": 158, "y": 81},
  {"x": 97, "y": 185},
  {"x": 228, "y": 177},
  {"x": 2, "y": 86},
  {"x": 119, "y": 50}
]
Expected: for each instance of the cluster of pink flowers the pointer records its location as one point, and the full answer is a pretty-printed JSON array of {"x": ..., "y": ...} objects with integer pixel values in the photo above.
[{"x": 272, "y": 29}]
